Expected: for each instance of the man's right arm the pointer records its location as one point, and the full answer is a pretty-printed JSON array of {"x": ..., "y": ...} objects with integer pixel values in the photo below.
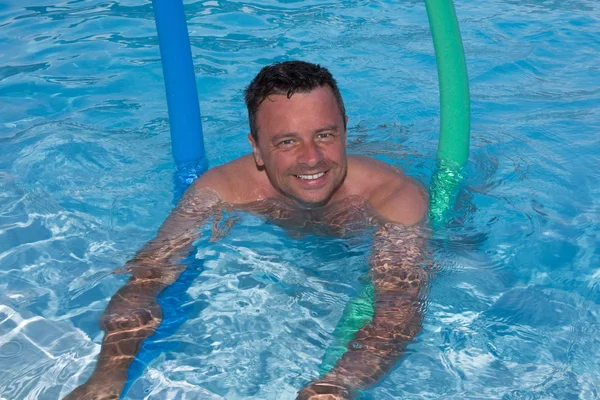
[{"x": 133, "y": 314}]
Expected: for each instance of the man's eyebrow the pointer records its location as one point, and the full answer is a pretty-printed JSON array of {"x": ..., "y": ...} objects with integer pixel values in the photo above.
[
  {"x": 327, "y": 128},
  {"x": 282, "y": 135}
]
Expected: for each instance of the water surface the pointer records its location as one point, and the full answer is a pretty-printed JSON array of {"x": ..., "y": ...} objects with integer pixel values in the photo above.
[{"x": 86, "y": 179}]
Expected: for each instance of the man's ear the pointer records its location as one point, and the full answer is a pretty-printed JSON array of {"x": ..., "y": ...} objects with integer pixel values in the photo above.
[
  {"x": 256, "y": 151},
  {"x": 346, "y": 133}
]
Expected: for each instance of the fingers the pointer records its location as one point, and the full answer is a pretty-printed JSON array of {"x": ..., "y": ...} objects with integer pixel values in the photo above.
[{"x": 324, "y": 391}]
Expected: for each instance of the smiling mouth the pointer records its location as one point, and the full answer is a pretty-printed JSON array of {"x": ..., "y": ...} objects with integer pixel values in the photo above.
[{"x": 311, "y": 177}]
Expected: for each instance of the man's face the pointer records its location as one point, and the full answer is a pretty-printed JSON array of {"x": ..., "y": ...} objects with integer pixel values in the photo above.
[{"x": 302, "y": 145}]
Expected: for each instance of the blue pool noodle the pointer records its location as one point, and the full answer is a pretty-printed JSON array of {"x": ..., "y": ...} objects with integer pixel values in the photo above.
[
  {"x": 182, "y": 97},
  {"x": 188, "y": 151}
]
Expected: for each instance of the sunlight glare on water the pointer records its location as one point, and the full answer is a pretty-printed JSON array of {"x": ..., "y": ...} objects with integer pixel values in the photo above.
[{"x": 86, "y": 178}]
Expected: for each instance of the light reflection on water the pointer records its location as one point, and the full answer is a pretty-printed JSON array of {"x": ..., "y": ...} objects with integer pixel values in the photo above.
[{"x": 86, "y": 178}]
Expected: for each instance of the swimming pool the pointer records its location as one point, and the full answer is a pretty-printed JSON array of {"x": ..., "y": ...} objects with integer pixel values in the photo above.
[{"x": 86, "y": 178}]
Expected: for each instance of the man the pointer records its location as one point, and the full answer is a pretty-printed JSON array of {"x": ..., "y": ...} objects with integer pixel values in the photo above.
[{"x": 298, "y": 176}]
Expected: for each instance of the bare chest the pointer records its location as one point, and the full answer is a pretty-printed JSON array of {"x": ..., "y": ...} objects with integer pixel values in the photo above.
[{"x": 342, "y": 218}]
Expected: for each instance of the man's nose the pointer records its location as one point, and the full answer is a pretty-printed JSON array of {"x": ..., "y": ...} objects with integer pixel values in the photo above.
[{"x": 310, "y": 155}]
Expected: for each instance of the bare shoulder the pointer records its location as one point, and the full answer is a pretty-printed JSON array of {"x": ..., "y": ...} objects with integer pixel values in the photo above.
[
  {"x": 235, "y": 182},
  {"x": 392, "y": 193}
]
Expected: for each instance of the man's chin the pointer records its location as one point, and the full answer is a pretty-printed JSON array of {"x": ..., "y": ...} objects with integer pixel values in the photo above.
[
  {"x": 308, "y": 198},
  {"x": 309, "y": 202}
]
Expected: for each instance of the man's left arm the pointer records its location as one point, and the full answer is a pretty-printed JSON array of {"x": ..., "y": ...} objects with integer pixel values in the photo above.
[{"x": 400, "y": 279}]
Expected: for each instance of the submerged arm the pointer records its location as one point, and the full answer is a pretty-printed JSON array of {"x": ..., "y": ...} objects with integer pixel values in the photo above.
[
  {"x": 133, "y": 314},
  {"x": 400, "y": 283}
]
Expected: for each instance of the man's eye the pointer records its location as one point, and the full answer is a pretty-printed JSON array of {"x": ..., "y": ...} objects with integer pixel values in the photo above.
[
  {"x": 286, "y": 142},
  {"x": 324, "y": 135}
]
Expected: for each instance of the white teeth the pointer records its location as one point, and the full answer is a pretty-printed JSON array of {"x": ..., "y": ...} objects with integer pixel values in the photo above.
[{"x": 315, "y": 176}]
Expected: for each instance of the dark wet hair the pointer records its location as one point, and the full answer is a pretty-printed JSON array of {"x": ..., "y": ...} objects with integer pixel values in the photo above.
[{"x": 287, "y": 78}]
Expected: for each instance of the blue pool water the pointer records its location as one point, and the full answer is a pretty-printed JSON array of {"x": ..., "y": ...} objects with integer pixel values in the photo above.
[{"x": 86, "y": 178}]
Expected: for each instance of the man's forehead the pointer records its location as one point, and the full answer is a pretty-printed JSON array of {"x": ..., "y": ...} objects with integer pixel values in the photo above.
[
  {"x": 280, "y": 113},
  {"x": 288, "y": 94},
  {"x": 322, "y": 94}
]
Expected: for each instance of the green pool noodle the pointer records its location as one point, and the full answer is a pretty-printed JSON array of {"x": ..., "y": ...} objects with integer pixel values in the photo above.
[
  {"x": 357, "y": 313},
  {"x": 455, "y": 108},
  {"x": 453, "y": 153}
]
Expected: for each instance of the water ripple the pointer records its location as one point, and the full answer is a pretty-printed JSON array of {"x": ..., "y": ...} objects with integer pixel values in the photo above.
[{"x": 86, "y": 178}]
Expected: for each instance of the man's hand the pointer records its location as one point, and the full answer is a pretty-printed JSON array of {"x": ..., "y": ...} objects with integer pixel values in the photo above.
[{"x": 324, "y": 391}]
